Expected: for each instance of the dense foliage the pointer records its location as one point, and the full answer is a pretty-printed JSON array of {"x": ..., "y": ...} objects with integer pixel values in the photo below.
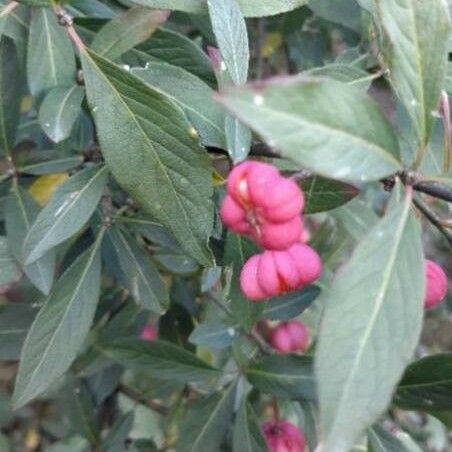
[{"x": 125, "y": 323}]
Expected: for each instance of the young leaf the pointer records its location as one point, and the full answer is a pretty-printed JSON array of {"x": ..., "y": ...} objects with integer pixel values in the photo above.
[
  {"x": 9, "y": 271},
  {"x": 249, "y": 8},
  {"x": 139, "y": 273},
  {"x": 59, "y": 111},
  {"x": 126, "y": 31},
  {"x": 238, "y": 139},
  {"x": 10, "y": 94},
  {"x": 247, "y": 435},
  {"x": 237, "y": 251},
  {"x": 232, "y": 37},
  {"x": 208, "y": 422},
  {"x": 70, "y": 207},
  {"x": 371, "y": 325},
  {"x": 323, "y": 194},
  {"x": 60, "y": 328},
  {"x": 286, "y": 376},
  {"x": 427, "y": 384},
  {"x": 160, "y": 359},
  {"x": 412, "y": 53},
  {"x": 21, "y": 212},
  {"x": 193, "y": 95},
  {"x": 165, "y": 169},
  {"x": 344, "y": 137},
  {"x": 288, "y": 306},
  {"x": 50, "y": 59},
  {"x": 381, "y": 440}
]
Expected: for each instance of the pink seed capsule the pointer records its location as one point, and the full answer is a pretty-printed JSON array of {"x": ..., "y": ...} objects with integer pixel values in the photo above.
[
  {"x": 280, "y": 236},
  {"x": 436, "y": 284},
  {"x": 149, "y": 333},
  {"x": 290, "y": 336},
  {"x": 283, "y": 436},
  {"x": 308, "y": 263},
  {"x": 248, "y": 280},
  {"x": 234, "y": 216}
]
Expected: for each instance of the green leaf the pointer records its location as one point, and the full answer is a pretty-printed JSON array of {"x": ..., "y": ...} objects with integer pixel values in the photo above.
[
  {"x": 167, "y": 46},
  {"x": 323, "y": 194},
  {"x": 54, "y": 165},
  {"x": 230, "y": 32},
  {"x": 15, "y": 321},
  {"x": 344, "y": 12},
  {"x": 352, "y": 141},
  {"x": 21, "y": 212},
  {"x": 59, "y": 111},
  {"x": 9, "y": 271},
  {"x": 10, "y": 93},
  {"x": 208, "y": 422},
  {"x": 247, "y": 435},
  {"x": 165, "y": 169},
  {"x": 290, "y": 305},
  {"x": 215, "y": 335},
  {"x": 126, "y": 31},
  {"x": 118, "y": 434},
  {"x": 51, "y": 59},
  {"x": 249, "y": 8},
  {"x": 427, "y": 384},
  {"x": 286, "y": 376},
  {"x": 140, "y": 275},
  {"x": 238, "y": 138},
  {"x": 160, "y": 359},
  {"x": 72, "y": 444},
  {"x": 371, "y": 325},
  {"x": 412, "y": 52},
  {"x": 238, "y": 250},
  {"x": 381, "y": 440},
  {"x": 345, "y": 73},
  {"x": 69, "y": 209},
  {"x": 193, "y": 95},
  {"x": 60, "y": 328}
]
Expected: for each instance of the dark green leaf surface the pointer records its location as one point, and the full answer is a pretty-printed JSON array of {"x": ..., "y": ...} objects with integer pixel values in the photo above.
[
  {"x": 139, "y": 273},
  {"x": 290, "y": 305},
  {"x": 21, "y": 212},
  {"x": 9, "y": 271},
  {"x": 286, "y": 376},
  {"x": 164, "y": 168},
  {"x": 59, "y": 111},
  {"x": 323, "y": 194},
  {"x": 427, "y": 384},
  {"x": 67, "y": 212},
  {"x": 371, "y": 325},
  {"x": 54, "y": 165},
  {"x": 118, "y": 434},
  {"x": 72, "y": 444},
  {"x": 60, "y": 328},
  {"x": 160, "y": 359},
  {"x": 416, "y": 55},
  {"x": 208, "y": 422},
  {"x": 50, "y": 59},
  {"x": 352, "y": 141},
  {"x": 193, "y": 95},
  {"x": 215, "y": 335},
  {"x": 126, "y": 31},
  {"x": 247, "y": 435},
  {"x": 10, "y": 94}
]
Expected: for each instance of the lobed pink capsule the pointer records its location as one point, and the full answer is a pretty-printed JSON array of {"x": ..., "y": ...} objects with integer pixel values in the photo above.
[
  {"x": 436, "y": 284},
  {"x": 264, "y": 205},
  {"x": 283, "y": 436},
  {"x": 149, "y": 333},
  {"x": 273, "y": 273},
  {"x": 289, "y": 337}
]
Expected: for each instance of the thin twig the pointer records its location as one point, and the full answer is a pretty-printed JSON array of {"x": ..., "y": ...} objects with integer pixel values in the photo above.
[
  {"x": 433, "y": 218},
  {"x": 435, "y": 189},
  {"x": 261, "y": 342},
  {"x": 152, "y": 404}
]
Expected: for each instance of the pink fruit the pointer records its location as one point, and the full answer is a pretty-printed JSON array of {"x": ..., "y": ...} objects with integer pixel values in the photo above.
[
  {"x": 283, "y": 436},
  {"x": 149, "y": 333},
  {"x": 263, "y": 205},
  {"x": 273, "y": 273},
  {"x": 436, "y": 284},
  {"x": 291, "y": 336}
]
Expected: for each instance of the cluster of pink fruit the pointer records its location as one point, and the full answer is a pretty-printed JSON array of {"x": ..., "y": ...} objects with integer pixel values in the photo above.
[
  {"x": 266, "y": 206},
  {"x": 436, "y": 284}
]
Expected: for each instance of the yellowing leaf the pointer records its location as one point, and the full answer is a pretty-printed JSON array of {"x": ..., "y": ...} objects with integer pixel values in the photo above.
[
  {"x": 43, "y": 187},
  {"x": 272, "y": 43}
]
